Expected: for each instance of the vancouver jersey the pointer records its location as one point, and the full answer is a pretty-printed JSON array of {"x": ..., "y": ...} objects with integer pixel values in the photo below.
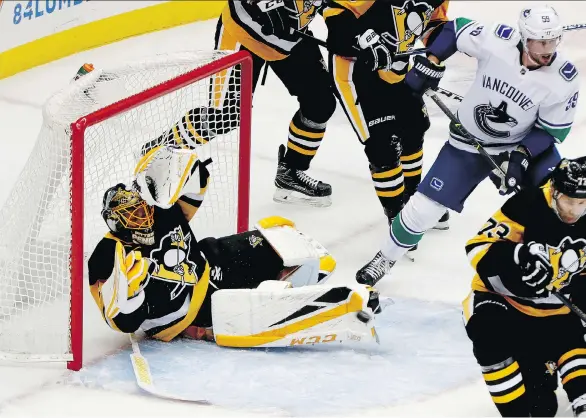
[
  {"x": 400, "y": 22},
  {"x": 243, "y": 20},
  {"x": 506, "y": 100},
  {"x": 528, "y": 216},
  {"x": 175, "y": 272}
]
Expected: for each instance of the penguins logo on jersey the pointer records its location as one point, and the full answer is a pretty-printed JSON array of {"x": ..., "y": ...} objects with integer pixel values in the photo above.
[
  {"x": 410, "y": 23},
  {"x": 487, "y": 116},
  {"x": 304, "y": 11},
  {"x": 173, "y": 263},
  {"x": 567, "y": 260}
]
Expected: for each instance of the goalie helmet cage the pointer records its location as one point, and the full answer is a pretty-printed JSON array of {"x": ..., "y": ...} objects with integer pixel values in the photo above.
[{"x": 92, "y": 124}]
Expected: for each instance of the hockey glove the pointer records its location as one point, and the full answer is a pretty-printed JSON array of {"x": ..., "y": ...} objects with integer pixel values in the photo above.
[
  {"x": 374, "y": 52},
  {"x": 536, "y": 269},
  {"x": 514, "y": 169},
  {"x": 424, "y": 75},
  {"x": 273, "y": 18}
]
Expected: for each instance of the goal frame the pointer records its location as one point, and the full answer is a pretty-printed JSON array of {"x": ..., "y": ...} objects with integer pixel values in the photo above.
[{"x": 78, "y": 128}]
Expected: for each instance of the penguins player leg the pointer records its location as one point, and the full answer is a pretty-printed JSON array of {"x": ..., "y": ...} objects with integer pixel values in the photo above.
[
  {"x": 570, "y": 357},
  {"x": 447, "y": 185},
  {"x": 259, "y": 277},
  {"x": 305, "y": 75},
  {"x": 493, "y": 326}
]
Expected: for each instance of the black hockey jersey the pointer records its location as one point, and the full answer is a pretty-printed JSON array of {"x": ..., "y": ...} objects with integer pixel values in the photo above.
[
  {"x": 526, "y": 217},
  {"x": 400, "y": 22},
  {"x": 243, "y": 20},
  {"x": 175, "y": 272}
]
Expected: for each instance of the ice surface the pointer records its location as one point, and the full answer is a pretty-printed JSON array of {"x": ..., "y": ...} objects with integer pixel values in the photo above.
[
  {"x": 423, "y": 352},
  {"x": 352, "y": 229}
]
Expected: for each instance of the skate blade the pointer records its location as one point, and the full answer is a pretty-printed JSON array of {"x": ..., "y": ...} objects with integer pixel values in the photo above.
[
  {"x": 292, "y": 197},
  {"x": 410, "y": 256},
  {"x": 442, "y": 226}
]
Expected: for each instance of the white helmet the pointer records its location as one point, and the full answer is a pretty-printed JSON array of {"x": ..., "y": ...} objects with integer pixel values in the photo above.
[{"x": 540, "y": 23}]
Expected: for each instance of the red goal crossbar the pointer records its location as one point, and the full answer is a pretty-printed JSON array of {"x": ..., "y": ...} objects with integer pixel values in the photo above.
[{"x": 78, "y": 129}]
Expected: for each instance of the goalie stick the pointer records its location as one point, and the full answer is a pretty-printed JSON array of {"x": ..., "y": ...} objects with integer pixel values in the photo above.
[
  {"x": 144, "y": 378},
  {"x": 431, "y": 94}
]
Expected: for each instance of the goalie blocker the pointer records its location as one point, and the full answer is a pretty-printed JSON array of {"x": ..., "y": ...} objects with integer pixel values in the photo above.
[{"x": 260, "y": 288}]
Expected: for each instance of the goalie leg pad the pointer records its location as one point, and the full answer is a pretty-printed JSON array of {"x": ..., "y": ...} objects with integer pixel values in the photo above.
[
  {"x": 315, "y": 263},
  {"x": 273, "y": 317}
]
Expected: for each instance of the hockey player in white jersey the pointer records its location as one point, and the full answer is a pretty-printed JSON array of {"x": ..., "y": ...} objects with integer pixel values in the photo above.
[{"x": 521, "y": 103}]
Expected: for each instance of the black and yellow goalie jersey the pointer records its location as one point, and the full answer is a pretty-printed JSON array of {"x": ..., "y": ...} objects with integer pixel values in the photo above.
[
  {"x": 243, "y": 20},
  {"x": 158, "y": 288},
  {"x": 524, "y": 218},
  {"x": 400, "y": 22}
]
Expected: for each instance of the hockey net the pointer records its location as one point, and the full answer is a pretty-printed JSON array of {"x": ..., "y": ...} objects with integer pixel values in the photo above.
[{"x": 90, "y": 140}]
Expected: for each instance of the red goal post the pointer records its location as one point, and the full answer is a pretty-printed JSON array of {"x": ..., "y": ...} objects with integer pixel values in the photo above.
[{"x": 111, "y": 124}]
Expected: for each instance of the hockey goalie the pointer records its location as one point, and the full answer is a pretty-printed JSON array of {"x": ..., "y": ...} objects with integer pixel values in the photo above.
[{"x": 261, "y": 288}]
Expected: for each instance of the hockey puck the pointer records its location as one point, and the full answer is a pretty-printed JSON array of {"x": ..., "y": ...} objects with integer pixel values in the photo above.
[{"x": 363, "y": 316}]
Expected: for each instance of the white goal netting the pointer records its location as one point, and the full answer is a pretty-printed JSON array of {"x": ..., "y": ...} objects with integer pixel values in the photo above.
[{"x": 35, "y": 221}]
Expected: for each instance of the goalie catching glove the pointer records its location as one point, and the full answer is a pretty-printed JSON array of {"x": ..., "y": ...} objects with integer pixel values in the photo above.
[{"x": 166, "y": 173}]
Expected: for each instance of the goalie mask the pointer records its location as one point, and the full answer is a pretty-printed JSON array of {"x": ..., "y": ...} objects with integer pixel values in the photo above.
[
  {"x": 128, "y": 216},
  {"x": 569, "y": 189}
]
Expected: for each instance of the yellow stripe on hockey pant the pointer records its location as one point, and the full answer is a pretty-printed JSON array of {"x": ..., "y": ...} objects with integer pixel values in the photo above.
[
  {"x": 300, "y": 150},
  {"x": 509, "y": 397},
  {"x": 343, "y": 69},
  {"x": 510, "y": 369},
  {"x": 353, "y": 305},
  {"x": 197, "y": 297},
  {"x": 302, "y": 133},
  {"x": 391, "y": 193}
]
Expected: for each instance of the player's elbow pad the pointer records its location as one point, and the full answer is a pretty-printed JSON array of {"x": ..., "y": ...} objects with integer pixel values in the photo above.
[
  {"x": 442, "y": 41},
  {"x": 342, "y": 35},
  {"x": 537, "y": 141}
]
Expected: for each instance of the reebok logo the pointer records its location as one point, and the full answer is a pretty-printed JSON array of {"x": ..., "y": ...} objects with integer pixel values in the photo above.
[{"x": 381, "y": 120}]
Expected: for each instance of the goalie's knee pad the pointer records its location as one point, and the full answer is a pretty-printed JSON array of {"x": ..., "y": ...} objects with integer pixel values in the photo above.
[
  {"x": 273, "y": 317},
  {"x": 312, "y": 261}
]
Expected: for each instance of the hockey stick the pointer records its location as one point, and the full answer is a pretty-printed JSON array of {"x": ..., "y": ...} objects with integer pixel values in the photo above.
[
  {"x": 574, "y": 26},
  {"x": 144, "y": 378},
  {"x": 491, "y": 160}
]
